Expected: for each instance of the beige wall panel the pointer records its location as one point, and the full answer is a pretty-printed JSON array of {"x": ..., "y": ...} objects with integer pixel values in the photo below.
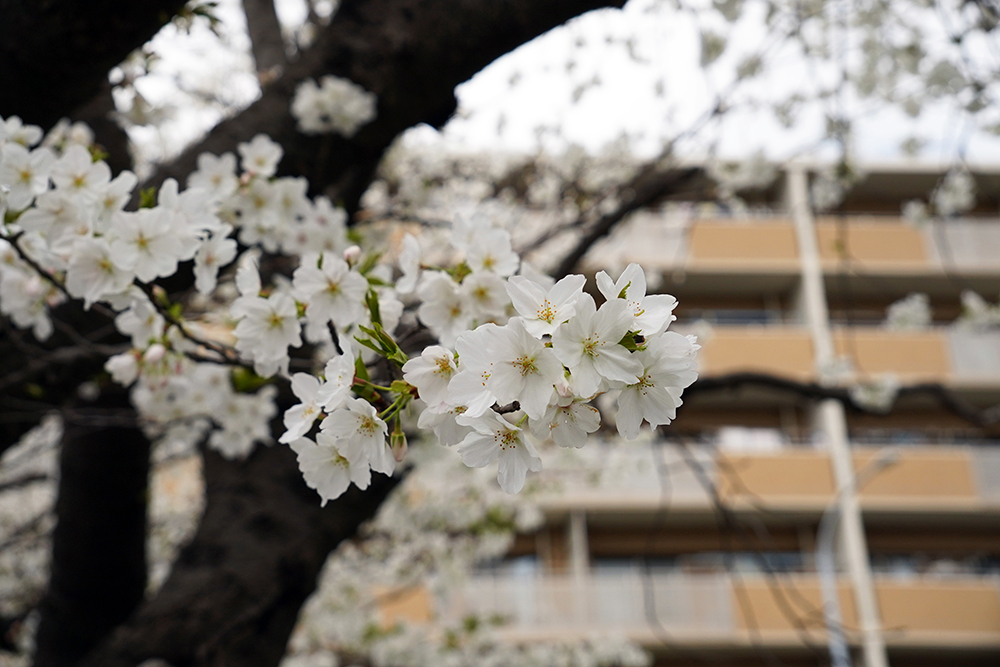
[
  {"x": 920, "y": 474},
  {"x": 966, "y": 607},
  {"x": 915, "y": 606},
  {"x": 790, "y": 473},
  {"x": 781, "y": 351},
  {"x": 918, "y": 354},
  {"x": 870, "y": 243},
  {"x": 754, "y": 241},
  {"x": 408, "y": 605},
  {"x": 797, "y": 602}
]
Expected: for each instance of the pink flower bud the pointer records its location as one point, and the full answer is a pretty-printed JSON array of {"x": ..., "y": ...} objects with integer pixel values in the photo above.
[
  {"x": 352, "y": 255},
  {"x": 154, "y": 354},
  {"x": 397, "y": 443}
]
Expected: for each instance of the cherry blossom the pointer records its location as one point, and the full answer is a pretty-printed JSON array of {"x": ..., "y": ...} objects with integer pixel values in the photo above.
[
  {"x": 651, "y": 314},
  {"x": 495, "y": 439},
  {"x": 326, "y": 470},
  {"x": 588, "y": 345},
  {"x": 544, "y": 310}
]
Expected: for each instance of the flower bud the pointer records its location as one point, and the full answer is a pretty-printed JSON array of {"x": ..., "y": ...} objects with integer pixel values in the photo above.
[
  {"x": 397, "y": 443},
  {"x": 352, "y": 255},
  {"x": 154, "y": 354}
]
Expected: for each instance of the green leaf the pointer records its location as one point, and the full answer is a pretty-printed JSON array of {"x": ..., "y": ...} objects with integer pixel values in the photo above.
[
  {"x": 147, "y": 197},
  {"x": 369, "y": 262},
  {"x": 371, "y": 300},
  {"x": 245, "y": 381},
  {"x": 629, "y": 341}
]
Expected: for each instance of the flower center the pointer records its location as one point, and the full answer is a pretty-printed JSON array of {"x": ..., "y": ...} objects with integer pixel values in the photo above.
[
  {"x": 367, "y": 427},
  {"x": 507, "y": 440},
  {"x": 546, "y": 311},
  {"x": 443, "y": 367},
  {"x": 525, "y": 364}
]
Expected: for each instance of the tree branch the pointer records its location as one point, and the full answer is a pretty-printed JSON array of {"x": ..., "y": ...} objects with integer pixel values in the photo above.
[
  {"x": 55, "y": 56},
  {"x": 651, "y": 185},
  {"x": 266, "y": 41},
  {"x": 411, "y": 53}
]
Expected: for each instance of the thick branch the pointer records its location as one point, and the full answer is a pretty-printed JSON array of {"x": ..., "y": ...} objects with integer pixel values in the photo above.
[
  {"x": 411, "y": 53},
  {"x": 944, "y": 397},
  {"x": 266, "y": 42},
  {"x": 54, "y": 56}
]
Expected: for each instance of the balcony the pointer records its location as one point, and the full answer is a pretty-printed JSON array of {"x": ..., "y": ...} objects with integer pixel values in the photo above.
[
  {"x": 726, "y": 611},
  {"x": 954, "y": 485},
  {"x": 961, "y": 358}
]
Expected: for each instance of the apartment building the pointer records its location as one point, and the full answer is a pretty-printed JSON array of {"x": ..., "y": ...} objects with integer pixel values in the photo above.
[{"x": 770, "y": 524}]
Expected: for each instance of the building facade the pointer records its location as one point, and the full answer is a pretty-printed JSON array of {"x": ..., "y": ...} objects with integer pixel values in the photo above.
[{"x": 773, "y": 522}]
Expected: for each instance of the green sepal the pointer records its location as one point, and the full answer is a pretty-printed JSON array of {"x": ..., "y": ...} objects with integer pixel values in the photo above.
[
  {"x": 245, "y": 381},
  {"x": 632, "y": 341},
  {"x": 460, "y": 272},
  {"x": 402, "y": 387},
  {"x": 621, "y": 295},
  {"x": 147, "y": 197}
]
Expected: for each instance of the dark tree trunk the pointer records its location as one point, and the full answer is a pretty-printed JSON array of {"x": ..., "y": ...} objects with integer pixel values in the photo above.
[
  {"x": 235, "y": 592},
  {"x": 98, "y": 572}
]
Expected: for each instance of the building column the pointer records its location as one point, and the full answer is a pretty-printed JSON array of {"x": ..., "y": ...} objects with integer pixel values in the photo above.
[{"x": 832, "y": 422}]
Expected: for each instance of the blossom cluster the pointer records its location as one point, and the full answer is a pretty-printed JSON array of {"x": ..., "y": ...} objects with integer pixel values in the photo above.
[
  {"x": 521, "y": 357},
  {"x": 335, "y": 105}
]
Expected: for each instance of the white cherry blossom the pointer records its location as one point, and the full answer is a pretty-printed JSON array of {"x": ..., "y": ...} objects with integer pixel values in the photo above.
[
  {"x": 476, "y": 361},
  {"x": 260, "y": 156},
  {"x": 668, "y": 367},
  {"x": 544, "y": 310},
  {"x": 525, "y": 370},
  {"x": 431, "y": 372},
  {"x": 95, "y": 271},
  {"x": 588, "y": 345},
  {"x": 495, "y": 439},
  {"x": 568, "y": 421},
  {"x": 487, "y": 298},
  {"x": 146, "y": 241},
  {"x": 326, "y": 470},
  {"x": 443, "y": 309},
  {"x": 651, "y": 314},
  {"x": 333, "y": 291},
  {"x": 25, "y": 173},
  {"x": 299, "y": 418},
  {"x": 360, "y": 435}
]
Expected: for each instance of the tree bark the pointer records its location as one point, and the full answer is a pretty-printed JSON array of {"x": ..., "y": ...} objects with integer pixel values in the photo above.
[
  {"x": 98, "y": 573},
  {"x": 235, "y": 592},
  {"x": 266, "y": 40},
  {"x": 411, "y": 53},
  {"x": 55, "y": 54}
]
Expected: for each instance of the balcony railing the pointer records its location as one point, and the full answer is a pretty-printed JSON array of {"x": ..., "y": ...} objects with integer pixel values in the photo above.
[
  {"x": 765, "y": 469},
  {"x": 721, "y": 608}
]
